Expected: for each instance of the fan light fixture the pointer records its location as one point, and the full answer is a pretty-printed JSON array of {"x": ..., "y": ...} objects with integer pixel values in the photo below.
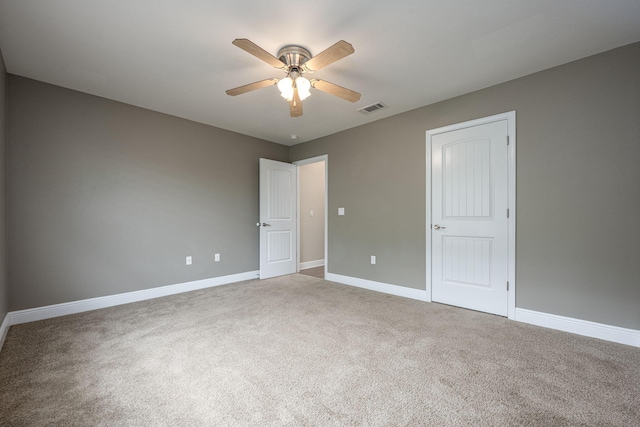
[{"x": 294, "y": 80}]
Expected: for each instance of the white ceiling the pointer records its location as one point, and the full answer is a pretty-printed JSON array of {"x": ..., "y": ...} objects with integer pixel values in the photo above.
[{"x": 176, "y": 57}]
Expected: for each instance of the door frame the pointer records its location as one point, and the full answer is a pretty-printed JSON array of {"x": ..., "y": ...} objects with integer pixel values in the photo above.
[
  {"x": 322, "y": 158},
  {"x": 510, "y": 117}
]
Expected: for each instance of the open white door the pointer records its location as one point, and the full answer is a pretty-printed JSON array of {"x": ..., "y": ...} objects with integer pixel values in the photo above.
[
  {"x": 469, "y": 217},
  {"x": 278, "y": 206}
]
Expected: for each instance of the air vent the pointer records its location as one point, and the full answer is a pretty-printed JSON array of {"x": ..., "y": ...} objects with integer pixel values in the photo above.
[{"x": 371, "y": 108}]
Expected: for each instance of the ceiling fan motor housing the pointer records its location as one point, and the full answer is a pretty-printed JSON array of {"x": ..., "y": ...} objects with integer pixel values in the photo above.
[{"x": 294, "y": 56}]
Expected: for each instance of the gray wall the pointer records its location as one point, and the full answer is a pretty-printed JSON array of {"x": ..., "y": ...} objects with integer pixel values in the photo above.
[
  {"x": 578, "y": 188},
  {"x": 4, "y": 289},
  {"x": 106, "y": 198},
  {"x": 312, "y": 198}
]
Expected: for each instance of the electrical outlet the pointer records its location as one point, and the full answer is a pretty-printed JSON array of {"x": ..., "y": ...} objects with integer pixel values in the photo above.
[
  {"x": 189, "y": 260},
  {"x": 217, "y": 257},
  {"x": 373, "y": 259}
]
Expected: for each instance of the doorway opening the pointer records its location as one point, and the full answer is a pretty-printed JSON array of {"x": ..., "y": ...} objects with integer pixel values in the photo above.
[{"x": 312, "y": 216}]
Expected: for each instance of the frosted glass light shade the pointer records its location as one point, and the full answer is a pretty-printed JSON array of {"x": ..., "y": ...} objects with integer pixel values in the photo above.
[
  {"x": 304, "y": 87},
  {"x": 285, "y": 86}
]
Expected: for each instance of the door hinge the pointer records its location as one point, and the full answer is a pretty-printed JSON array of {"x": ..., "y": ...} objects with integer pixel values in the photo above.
[
  {"x": 507, "y": 286},
  {"x": 507, "y": 139},
  {"x": 507, "y": 213}
]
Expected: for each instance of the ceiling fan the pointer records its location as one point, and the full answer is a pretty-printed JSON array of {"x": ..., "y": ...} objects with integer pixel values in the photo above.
[{"x": 295, "y": 61}]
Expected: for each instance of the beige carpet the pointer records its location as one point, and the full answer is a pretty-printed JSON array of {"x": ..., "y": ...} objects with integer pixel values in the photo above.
[{"x": 300, "y": 351}]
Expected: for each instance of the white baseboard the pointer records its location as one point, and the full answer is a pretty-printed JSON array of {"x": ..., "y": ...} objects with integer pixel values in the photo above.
[
  {"x": 4, "y": 328},
  {"x": 567, "y": 324},
  {"x": 311, "y": 264},
  {"x": 386, "y": 288},
  {"x": 50, "y": 311},
  {"x": 580, "y": 327}
]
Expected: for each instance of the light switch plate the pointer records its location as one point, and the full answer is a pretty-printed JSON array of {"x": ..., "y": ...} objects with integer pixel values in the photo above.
[{"x": 340, "y": 211}]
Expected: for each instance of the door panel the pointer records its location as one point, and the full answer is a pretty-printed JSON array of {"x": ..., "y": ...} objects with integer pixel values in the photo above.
[
  {"x": 278, "y": 207},
  {"x": 467, "y": 261},
  {"x": 278, "y": 246},
  {"x": 469, "y": 216},
  {"x": 467, "y": 179}
]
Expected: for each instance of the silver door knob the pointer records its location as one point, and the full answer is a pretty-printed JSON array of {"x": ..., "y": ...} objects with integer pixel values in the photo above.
[
  {"x": 438, "y": 227},
  {"x": 264, "y": 224}
]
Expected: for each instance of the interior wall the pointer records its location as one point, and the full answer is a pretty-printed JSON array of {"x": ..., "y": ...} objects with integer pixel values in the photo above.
[
  {"x": 106, "y": 198},
  {"x": 4, "y": 287},
  {"x": 578, "y": 198},
  {"x": 312, "y": 195}
]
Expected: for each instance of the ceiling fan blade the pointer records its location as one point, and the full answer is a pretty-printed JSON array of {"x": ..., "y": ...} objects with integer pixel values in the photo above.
[
  {"x": 251, "y": 86},
  {"x": 258, "y": 52},
  {"x": 295, "y": 105},
  {"x": 329, "y": 56},
  {"x": 334, "y": 89}
]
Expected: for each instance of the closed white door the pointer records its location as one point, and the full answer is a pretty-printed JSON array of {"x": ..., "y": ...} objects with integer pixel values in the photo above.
[
  {"x": 278, "y": 206},
  {"x": 469, "y": 230}
]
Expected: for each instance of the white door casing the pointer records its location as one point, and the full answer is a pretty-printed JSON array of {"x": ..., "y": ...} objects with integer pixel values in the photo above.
[
  {"x": 278, "y": 224},
  {"x": 470, "y": 239}
]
